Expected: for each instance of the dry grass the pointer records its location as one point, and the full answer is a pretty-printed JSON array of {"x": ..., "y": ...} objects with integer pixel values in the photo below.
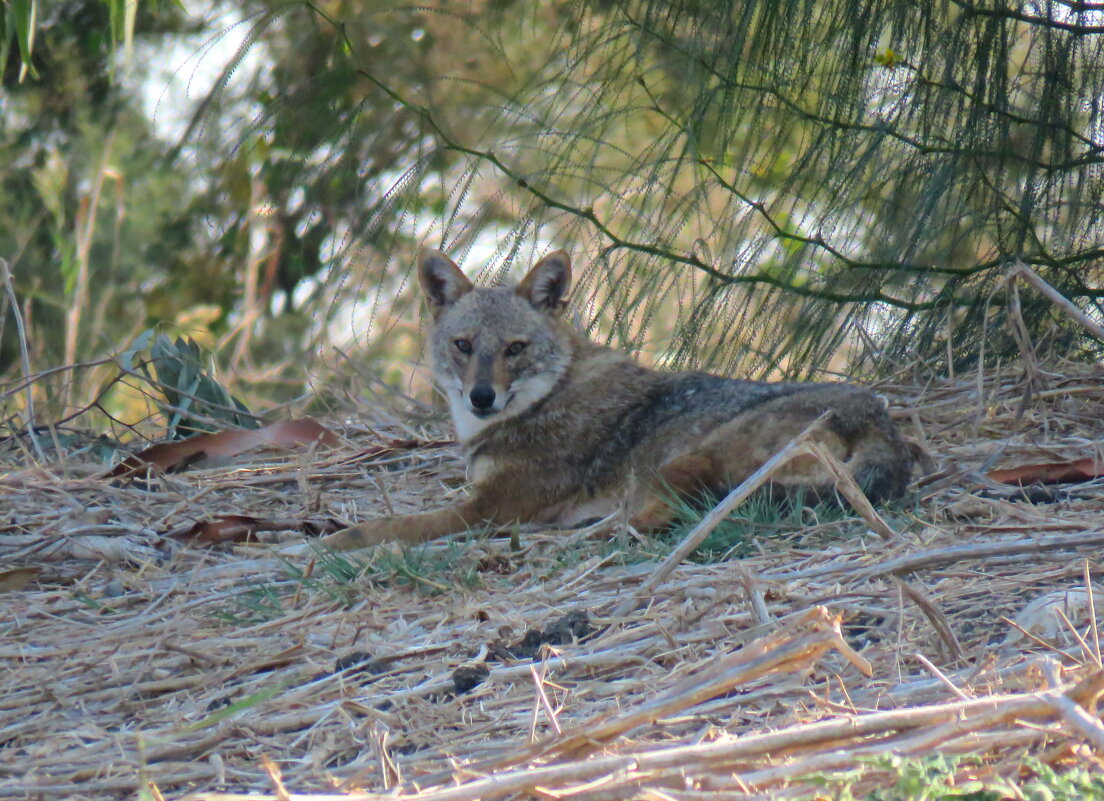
[{"x": 134, "y": 662}]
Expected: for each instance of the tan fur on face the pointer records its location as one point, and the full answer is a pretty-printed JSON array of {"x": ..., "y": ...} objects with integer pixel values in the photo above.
[{"x": 577, "y": 428}]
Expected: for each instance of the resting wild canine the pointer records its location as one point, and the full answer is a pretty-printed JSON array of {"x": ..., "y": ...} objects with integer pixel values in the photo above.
[{"x": 558, "y": 429}]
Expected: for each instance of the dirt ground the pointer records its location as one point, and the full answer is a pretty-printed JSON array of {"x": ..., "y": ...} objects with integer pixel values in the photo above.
[{"x": 544, "y": 664}]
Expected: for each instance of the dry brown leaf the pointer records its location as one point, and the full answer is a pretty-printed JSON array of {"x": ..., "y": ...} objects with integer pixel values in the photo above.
[
  {"x": 231, "y": 528},
  {"x": 1051, "y": 472},
  {"x": 225, "y": 444},
  {"x": 17, "y": 579}
]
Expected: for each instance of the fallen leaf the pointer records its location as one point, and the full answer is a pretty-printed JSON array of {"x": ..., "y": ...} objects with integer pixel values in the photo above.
[
  {"x": 12, "y": 580},
  {"x": 175, "y": 455},
  {"x": 1050, "y": 472},
  {"x": 232, "y": 528}
]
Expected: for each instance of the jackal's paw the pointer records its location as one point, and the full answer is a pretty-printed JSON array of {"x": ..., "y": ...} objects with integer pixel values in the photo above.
[{"x": 367, "y": 534}]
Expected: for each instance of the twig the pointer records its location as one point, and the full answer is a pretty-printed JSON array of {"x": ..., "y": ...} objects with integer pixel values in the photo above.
[
  {"x": 7, "y": 389},
  {"x": 946, "y": 721},
  {"x": 24, "y": 356},
  {"x": 939, "y": 674},
  {"x": 1023, "y": 342},
  {"x": 1038, "y": 640},
  {"x": 947, "y": 556},
  {"x": 538, "y": 682},
  {"x": 1092, "y": 611},
  {"x": 767, "y": 655},
  {"x": 934, "y": 616},
  {"x": 1021, "y": 270},
  {"x": 1076, "y": 716},
  {"x": 1085, "y": 649},
  {"x": 273, "y": 771},
  {"x": 759, "y": 610},
  {"x": 847, "y": 486},
  {"x": 795, "y": 447}
]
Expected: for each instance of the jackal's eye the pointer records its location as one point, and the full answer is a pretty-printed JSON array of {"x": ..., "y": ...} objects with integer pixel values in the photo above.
[
  {"x": 462, "y": 345},
  {"x": 516, "y": 348}
]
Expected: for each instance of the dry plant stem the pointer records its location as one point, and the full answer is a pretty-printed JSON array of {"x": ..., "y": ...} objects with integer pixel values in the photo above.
[
  {"x": 255, "y": 224},
  {"x": 1023, "y": 342},
  {"x": 1086, "y": 651},
  {"x": 939, "y": 674},
  {"x": 755, "y": 596},
  {"x": 947, "y": 556},
  {"x": 943, "y": 722},
  {"x": 538, "y": 683},
  {"x": 85, "y": 230},
  {"x": 1092, "y": 611},
  {"x": 1039, "y": 641},
  {"x": 795, "y": 447},
  {"x": 13, "y": 386},
  {"x": 122, "y": 658},
  {"x": 1076, "y": 716},
  {"x": 785, "y": 649},
  {"x": 1021, "y": 270},
  {"x": 273, "y": 771},
  {"x": 923, "y": 742},
  {"x": 937, "y": 619},
  {"x": 729, "y": 673},
  {"x": 24, "y": 356},
  {"x": 849, "y": 488}
]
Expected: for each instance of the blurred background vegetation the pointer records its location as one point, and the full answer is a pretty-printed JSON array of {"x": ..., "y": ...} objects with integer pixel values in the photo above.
[{"x": 771, "y": 188}]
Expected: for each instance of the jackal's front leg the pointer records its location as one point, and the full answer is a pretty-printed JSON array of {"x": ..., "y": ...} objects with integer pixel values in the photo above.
[
  {"x": 409, "y": 529},
  {"x": 481, "y": 507}
]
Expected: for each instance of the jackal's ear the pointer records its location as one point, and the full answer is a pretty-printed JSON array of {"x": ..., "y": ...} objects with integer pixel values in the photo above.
[
  {"x": 548, "y": 281},
  {"x": 442, "y": 281}
]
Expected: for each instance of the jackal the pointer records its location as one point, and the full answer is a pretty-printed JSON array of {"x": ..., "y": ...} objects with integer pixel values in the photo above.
[{"x": 558, "y": 429}]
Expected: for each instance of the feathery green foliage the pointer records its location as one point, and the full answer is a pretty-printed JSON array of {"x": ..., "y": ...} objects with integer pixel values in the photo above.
[
  {"x": 772, "y": 181},
  {"x": 773, "y": 187},
  {"x": 763, "y": 187}
]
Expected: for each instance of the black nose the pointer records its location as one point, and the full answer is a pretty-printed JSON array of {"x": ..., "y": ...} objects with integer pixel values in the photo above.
[{"x": 482, "y": 396}]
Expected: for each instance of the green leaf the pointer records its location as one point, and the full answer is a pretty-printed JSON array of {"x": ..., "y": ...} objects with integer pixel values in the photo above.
[
  {"x": 126, "y": 358},
  {"x": 115, "y": 18},
  {"x": 248, "y": 702},
  {"x": 193, "y": 398},
  {"x": 23, "y": 18},
  {"x": 6, "y": 31}
]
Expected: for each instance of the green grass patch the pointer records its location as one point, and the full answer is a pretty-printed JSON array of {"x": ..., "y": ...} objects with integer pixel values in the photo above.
[
  {"x": 761, "y": 516},
  {"x": 345, "y": 578},
  {"x": 956, "y": 778}
]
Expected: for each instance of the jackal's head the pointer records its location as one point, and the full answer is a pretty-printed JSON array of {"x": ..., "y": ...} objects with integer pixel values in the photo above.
[{"x": 498, "y": 350}]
